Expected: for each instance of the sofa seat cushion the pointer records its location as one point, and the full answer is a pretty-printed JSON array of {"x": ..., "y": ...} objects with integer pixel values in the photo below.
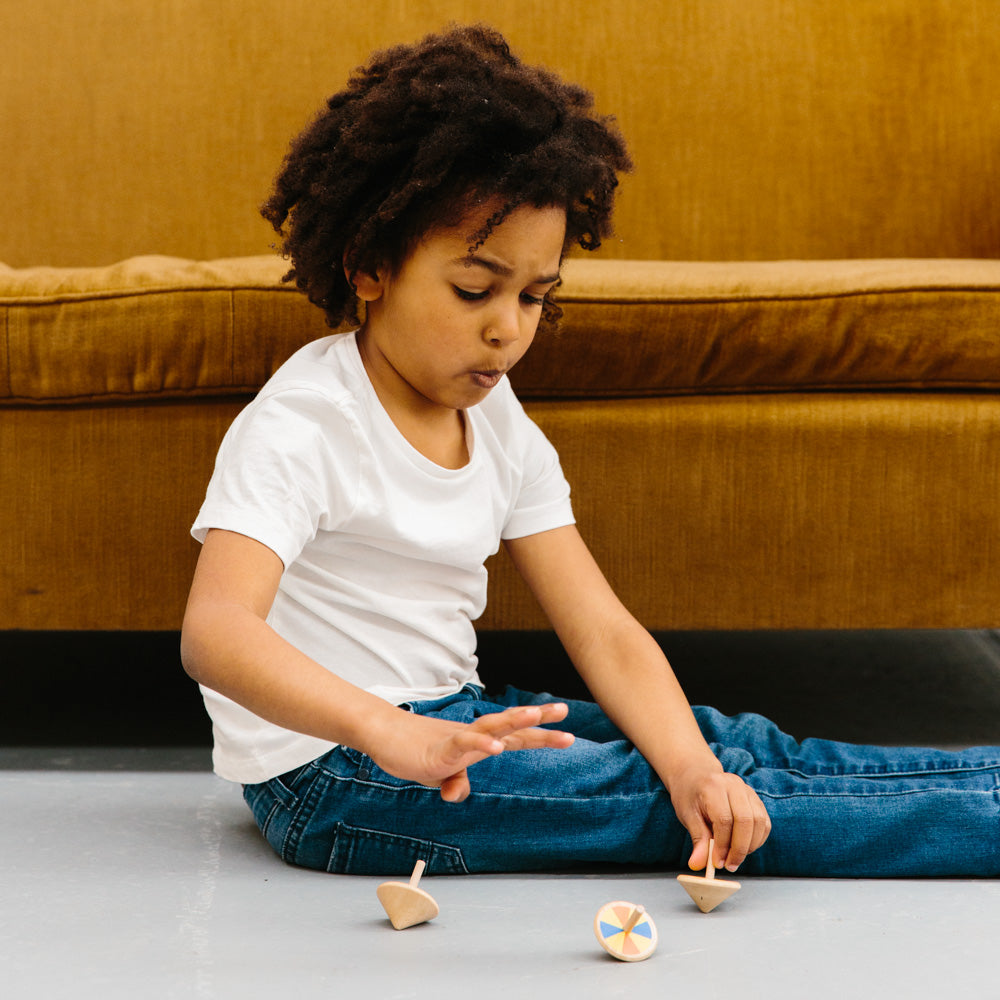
[{"x": 654, "y": 328}]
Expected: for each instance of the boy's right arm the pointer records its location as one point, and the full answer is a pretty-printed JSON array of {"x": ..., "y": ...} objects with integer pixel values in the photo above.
[{"x": 227, "y": 645}]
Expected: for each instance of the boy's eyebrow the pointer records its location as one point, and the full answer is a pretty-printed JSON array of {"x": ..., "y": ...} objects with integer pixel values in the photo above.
[{"x": 495, "y": 267}]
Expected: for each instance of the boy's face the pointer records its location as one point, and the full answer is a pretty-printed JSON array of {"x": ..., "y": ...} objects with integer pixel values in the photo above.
[{"x": 442, "y": 330}]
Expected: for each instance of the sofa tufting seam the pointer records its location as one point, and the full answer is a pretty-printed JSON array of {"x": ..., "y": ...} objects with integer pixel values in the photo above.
[
  {"x": 101, "y": 294},
  {"x": 723, "y": 298},
  {"x": 581, "y": 297},
  {"x": 533, "y": 394}
]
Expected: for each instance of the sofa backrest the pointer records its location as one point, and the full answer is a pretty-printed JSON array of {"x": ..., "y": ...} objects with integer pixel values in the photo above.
[{"x": 761, "y": 129}]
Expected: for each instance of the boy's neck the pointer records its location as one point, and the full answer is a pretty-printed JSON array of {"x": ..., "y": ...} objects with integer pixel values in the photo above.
[{"x": 438, "y": 433}]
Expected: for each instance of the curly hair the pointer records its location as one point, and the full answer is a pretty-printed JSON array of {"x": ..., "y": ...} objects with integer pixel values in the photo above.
[{"x": 420, "y": 135}]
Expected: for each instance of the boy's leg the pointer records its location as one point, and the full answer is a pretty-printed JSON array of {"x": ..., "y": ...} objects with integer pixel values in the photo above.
[
  {"x": 837, "y": 809},
  {"x": 840, "y": 809}
]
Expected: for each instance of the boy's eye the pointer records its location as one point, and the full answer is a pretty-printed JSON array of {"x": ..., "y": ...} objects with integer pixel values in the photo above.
[{"x": 466, "y": 296}]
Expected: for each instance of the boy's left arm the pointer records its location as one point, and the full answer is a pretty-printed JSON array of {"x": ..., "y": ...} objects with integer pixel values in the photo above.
[{"x": 630, "y": 678}]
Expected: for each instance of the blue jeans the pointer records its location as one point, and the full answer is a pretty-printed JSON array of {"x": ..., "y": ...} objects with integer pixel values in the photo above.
[{"x": 836, "y": 809}]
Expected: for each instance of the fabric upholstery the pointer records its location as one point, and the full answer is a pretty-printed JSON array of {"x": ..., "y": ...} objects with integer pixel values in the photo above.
[
  {"x": 157, "y": 327},
  {"x": 751, "y": 445},
  {"x": 761, "y": 129},
  {"x": 775, "y": 389}
]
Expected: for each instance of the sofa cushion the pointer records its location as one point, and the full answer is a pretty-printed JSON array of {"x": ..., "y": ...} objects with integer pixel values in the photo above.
[
  {"x": 162, "y": 327},
  {"x": 148, "y": 327},
  {"x": 651, "y": 328}
]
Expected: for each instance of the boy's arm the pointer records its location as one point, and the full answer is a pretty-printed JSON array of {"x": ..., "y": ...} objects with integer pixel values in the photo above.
[
  {"x": 227, "y": 645},
  {"x": 630, "y": 678}
]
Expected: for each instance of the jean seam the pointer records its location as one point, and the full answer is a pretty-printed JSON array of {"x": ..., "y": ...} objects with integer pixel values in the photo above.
[
  {"x": 487, "y": 794},
  {"x": 308, "y": 800},
  {"x": 880, "y": 793},
  {"x": 400, "y": 838},
  {"x": 876, "y": 773},
  {"x": 266, "y": 825}
]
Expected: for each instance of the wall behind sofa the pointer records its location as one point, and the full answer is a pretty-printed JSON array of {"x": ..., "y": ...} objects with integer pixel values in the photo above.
[{"x": 760, "y": 128}]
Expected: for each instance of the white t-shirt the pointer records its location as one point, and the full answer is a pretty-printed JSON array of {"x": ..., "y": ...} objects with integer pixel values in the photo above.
[{"x": 382, "y": 549}]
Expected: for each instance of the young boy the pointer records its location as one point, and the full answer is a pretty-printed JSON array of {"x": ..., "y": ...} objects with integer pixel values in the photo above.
[{"x": 355, "y": 500}]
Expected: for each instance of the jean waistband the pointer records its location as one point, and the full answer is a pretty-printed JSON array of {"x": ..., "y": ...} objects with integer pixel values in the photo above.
[{"x": 470, "y": 692}]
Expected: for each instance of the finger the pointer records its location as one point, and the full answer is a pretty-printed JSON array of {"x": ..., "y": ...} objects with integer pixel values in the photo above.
[
  {"x": 455, "y": 788},
  {"x": 554, "y": 711},
  {"x": 742, "y": 836},
  {"x": 699, "y": 855},
  {"x": 466, "y": 746},
  {"x": 510, "y": 720},
  {"x": 751, "y": 825},
  {"x": 535, "y": 739},
  {"x": 492, "y": 734},
  {"x": 700, "y": 837},
  {"x": 529, "y": 721},
  {"x": 722, "y": 832},
  {"x": 762, "y": 825},
  {"x": 764, "y": 830},
  {"x": 706, "y": 817},
  {"x": 501, "y": 724}
]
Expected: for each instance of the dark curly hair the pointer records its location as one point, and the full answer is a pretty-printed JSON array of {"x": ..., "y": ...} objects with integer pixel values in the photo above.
[{"x": 422, "y": 134}]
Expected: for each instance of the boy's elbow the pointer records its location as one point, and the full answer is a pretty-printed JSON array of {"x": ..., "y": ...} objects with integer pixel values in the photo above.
[
  {"x": 194, "y": 648},
  {"x": 189, "y": 657}
]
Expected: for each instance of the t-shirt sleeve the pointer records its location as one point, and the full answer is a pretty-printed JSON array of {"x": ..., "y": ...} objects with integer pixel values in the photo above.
[
  {"x": 543, "y": 500},
  {"x": 287, "y": 467}
]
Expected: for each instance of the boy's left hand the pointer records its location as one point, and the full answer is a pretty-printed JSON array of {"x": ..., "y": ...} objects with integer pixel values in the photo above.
[{"x": 712, "y": 804}]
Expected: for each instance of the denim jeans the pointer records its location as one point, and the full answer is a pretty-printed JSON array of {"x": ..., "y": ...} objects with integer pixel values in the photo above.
[{"x": 837, "y": 809}]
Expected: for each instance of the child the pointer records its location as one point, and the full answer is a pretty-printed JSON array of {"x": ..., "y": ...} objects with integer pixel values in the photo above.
[{"x": 355, "y": 500}]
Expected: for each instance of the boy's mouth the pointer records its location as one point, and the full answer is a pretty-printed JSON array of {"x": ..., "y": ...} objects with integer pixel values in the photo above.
[{"x": 487, "y": 379}]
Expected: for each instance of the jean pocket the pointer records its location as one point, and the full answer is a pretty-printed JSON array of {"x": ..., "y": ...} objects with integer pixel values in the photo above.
[{"x": 357, "y": 851}]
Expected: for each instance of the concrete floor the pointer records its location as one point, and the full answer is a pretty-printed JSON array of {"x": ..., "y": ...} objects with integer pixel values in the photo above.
[{"x": 136, "y": 873}]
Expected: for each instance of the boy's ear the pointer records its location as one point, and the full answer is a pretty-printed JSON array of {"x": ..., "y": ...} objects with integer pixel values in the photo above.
[{"x": 367, "y": 287}]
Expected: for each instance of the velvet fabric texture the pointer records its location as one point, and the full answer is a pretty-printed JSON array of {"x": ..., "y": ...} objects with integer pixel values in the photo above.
[
  {"x": 750, "y": 445},
  {"x": 760, "y": 129},
  {"x": 159, "y": 327}
]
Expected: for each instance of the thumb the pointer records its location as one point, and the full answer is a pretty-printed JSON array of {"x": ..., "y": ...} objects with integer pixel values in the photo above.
[
  {"x": 699, "y": 855},
  {"x": 701, "y": 836},
  {"x": 456, "y": 788}
]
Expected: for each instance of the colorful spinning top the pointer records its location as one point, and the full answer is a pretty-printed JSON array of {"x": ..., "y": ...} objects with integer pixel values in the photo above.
[
  {"x": 405, "y": 904},
  {"x": 709, "y": 891},
  {"x": 625, "y": 931}
]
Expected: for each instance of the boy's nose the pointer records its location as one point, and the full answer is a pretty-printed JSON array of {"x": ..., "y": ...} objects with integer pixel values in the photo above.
[{"x": 503, "y": 327}]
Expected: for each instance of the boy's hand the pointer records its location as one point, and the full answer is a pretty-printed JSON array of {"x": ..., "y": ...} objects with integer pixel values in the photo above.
[
  {"x": 438, "y": 752},
  {"x": 713, "y": 804}
]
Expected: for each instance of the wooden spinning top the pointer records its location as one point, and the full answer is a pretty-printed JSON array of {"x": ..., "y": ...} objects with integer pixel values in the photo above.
[
  {"x": 708, "y": 891},
  {"x": 405, "y": 904},
  {"x": 625, "y": 931}
]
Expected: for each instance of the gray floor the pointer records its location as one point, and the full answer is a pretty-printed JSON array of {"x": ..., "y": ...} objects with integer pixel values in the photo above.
[{"x": 139, "y": 874}]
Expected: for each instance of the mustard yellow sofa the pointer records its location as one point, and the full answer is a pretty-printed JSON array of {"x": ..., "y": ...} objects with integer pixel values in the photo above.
[{"x": 775, "y": 391}]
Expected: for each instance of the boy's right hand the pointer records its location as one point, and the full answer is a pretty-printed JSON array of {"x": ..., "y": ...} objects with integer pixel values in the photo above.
[{"x": 438, "y": 752}]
